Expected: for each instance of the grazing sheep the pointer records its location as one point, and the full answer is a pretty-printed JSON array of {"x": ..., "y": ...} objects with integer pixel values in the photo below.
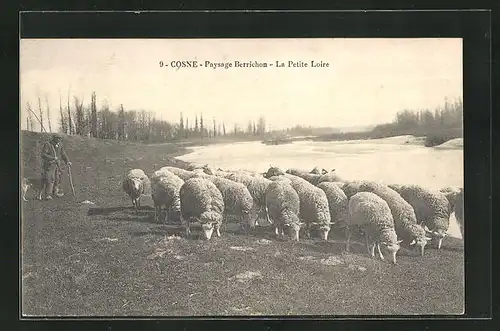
[
  {"x": 283, "y": 206},
  {"x": 432, "y": 208},
  {"x": 135, "y": 184},
  {"x": 257, "y": 186},
  {"x": 318, "y": 171},
  {"x": 314, "y": 209},
  {"x": 370, "y": 212},
  {"x": 238, "y": 201},
  {"x": 201, "y": 201},
  {"x": 183, "y": 174},
  {"x": 459, "y": 210},
  {"x": 165, "y": 188},
  {"x": 451, "y": 194},
  {"x": 337, "y": 202},
  {"x": 405, "y": 221},
  {"x": 315, "y": 179},
  {"x": 273, "y": 171}
]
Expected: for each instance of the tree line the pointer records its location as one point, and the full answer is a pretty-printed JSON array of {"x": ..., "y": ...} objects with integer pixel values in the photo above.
[
  {"x": 442, "y": 124},
  {"x": 76, "y": 118}
]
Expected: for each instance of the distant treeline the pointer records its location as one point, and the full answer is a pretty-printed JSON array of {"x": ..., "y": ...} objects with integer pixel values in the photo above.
[
  {"x": 133, "y": 125},
  {"x": 438, "y": 126}
]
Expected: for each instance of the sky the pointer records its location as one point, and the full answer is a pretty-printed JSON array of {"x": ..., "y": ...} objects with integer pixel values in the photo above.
[{"x": 366, "y": 83}]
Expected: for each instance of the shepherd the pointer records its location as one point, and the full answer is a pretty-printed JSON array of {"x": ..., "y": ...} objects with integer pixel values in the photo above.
[{"x": 52, "y": 152}]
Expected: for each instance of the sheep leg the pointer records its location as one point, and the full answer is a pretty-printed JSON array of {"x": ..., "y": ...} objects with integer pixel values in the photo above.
[
  {"x": 367, "y": 244},
  {"x": 372, "y": 250},
  {"x": 277, "y": 231},
  {"x": 348, "y": 236},
  {"x": 380, "y": 252},
  {"x": 217, "y": 229}
]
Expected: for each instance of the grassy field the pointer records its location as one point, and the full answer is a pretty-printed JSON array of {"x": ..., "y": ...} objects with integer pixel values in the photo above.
[{"x": 102, "y": 259}]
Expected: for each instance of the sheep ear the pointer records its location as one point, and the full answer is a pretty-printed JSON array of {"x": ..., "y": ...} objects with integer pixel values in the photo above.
[
  {"x": 399, "y": 241},
  {"x": 413, "y": 242},
  {"x": 384, "y": 243},
  {"x": 427, "y": 238},
  {"x": 331, "y": 223},
  {"x": 302, "y": 223}
]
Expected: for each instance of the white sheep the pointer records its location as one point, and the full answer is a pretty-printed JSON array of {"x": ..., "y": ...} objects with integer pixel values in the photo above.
[
  {"x": 431, "y": 207},
  {"x": 318, "y": 171},
  {"x": 257, "y": 186},
  {"x": 315, "y": 179},
  {"x": 370, "y": 212},
  {"x": 183, "y": 174},
  {"x": 283, "y": 206},
  {"x": 459, "y": 210},
  {"x": 135, "y": 184},
  {"x": 165, "y": 188},
  {"x": 273, "y": 171},
  {"x": 405, "y": 221},
  {"x": 201, "y": 201},
  {"x": 237, "y": 200},
  {"x": 337, "y": 202},
  {"x": 314, "y": 209}
]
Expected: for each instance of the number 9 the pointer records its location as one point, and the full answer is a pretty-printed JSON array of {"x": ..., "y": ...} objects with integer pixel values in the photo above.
[{"x": 161, "y": 64}]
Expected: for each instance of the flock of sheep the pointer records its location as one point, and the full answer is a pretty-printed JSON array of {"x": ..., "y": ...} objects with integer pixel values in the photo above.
[{"x": 316, "y": 200}]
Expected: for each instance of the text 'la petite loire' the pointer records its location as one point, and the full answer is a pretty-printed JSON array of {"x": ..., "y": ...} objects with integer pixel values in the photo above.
[{"x": 302, "y": 64}]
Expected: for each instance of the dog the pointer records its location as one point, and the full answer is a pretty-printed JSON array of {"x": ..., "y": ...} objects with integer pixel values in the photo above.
[{"x": 34, "y": 184}]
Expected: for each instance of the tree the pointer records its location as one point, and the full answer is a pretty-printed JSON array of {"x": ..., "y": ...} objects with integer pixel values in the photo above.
[
  {"x": 63, "y": 120},
  {"x": 93, "y": 111},
  {"x": 202, "y": 129},
  {"x": 121, "y": 123},
  {"x": 254, "y": 129},
  {"x": 224, "y": 128},
  {"x": 261, "y": 127},
  {"x": 48, "y": 113},
  {"x": 196, "y": 124},
  {"x": 249, "y": 128},
  {"x": 70, "y": 124},
  {"x": 215, "y": 130},
  {"x": 181, "y": 127},
  {"x": 41, "y": 114}
]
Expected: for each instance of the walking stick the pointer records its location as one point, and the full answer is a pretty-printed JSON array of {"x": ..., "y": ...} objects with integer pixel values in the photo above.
[{"x": 71, "y": 180}]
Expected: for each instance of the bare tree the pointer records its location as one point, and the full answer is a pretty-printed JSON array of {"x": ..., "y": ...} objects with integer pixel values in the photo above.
[
  {"x": 70, "y": 124},
  {"x": 93, "y": 111},
  {"x": 41, "y": 114},
  {"x": 48, "y": 112},
  {"x": 63, "y": 121}
]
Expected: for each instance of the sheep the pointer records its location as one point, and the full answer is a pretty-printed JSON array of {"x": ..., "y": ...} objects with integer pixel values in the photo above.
[
  {"x": 314, "y": 209},
  {"x": 201, "y": 201},
  {"x": 432, "y": 208},
  {"x": 183, "y": 174},
  {"x": 282, "y": 178},
  {"x": 135, "y": 184},
  {"x": 257, "y": 186},
  {"x": 370, "y": 212},
  {"x": 337, "y": 202},
  {"x": 165, "y": 187},
  {"x": 315, "y": 179},
  {"x": 273, "y": 171},
  {"x": 405, "y": 221},
  {"x": 451, "y": 194},
  {"x": 237, "y": 200},
  {"x": 317, "y": 171},
  {"x": 283, "y": 205},
  {"x": 459, "y": 210}
]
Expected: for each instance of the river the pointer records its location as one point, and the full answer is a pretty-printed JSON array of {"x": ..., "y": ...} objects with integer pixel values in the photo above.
[{"x": 389, "y": 160}]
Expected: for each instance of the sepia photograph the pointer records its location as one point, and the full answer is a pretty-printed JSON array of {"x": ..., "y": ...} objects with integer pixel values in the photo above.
[{"x": 241, "y": 177}]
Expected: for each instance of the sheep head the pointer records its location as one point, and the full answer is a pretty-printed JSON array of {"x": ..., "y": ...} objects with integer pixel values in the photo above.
[
  {"x": 206, "y": 230},
  {"x": 392, "y": 248}
]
